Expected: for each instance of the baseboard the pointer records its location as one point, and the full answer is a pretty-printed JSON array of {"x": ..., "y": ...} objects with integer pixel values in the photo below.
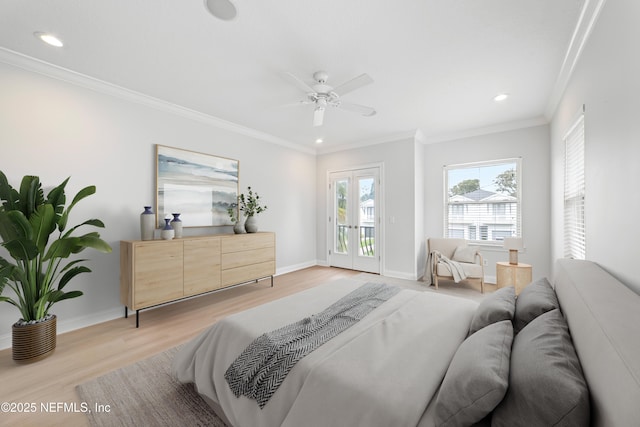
[
  {"x": 399, "y": 275},
  {"x": 74, "y": 323},
  {"x": 5, "y": 341},
  {"x": 295, "y": 267}
]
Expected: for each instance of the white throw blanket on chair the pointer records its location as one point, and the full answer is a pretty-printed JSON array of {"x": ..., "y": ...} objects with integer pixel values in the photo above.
[{"x": 455, "y": 267}]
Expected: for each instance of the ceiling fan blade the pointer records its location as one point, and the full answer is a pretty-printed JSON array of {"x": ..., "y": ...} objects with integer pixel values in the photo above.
[
  {"x": 361, "y": 109},
  {"x": 318, "y": 116},
  {"x": 299, "y": 83},
  {"x": 353, "y": 84},
  {"x": 296, "y": 104}
]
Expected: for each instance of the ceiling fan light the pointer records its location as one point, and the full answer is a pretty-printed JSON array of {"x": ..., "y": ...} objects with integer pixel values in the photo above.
[
  {"x": 222, "y": 9},
  {"x": 500, "y": 97},
  {"x": 318, "y": 116}
]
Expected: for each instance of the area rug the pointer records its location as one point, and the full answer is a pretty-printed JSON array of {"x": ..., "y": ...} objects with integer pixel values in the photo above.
[{"x": 145, "y": 394}]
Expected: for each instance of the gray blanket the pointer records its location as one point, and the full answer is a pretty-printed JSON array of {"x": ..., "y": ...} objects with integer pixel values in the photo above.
[{"x": 263, "y": 365}]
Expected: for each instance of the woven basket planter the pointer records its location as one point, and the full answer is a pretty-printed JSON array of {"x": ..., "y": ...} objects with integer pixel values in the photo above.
[{"x": 34, "y": 342}]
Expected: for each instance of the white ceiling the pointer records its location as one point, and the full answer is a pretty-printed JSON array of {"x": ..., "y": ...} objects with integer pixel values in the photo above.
[{"x": 436, "y": 64}]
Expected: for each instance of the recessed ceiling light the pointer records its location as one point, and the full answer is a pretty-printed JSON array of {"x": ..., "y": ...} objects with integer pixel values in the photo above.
[
  {"x": 319, "y": 141},
  {"x": 221, "y": 9},
  {"x": 49, "y": 39},
  {"x": 501, "y": 97}
]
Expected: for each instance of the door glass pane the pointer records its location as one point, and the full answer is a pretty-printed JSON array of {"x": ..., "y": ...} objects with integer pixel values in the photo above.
[
  {"x": 341, "y": 215},
  {"x": 367, "y": 216}
]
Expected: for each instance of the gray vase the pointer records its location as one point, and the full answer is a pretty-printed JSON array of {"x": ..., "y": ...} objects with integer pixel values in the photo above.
[
  {"x": 238, "y": 227},
  {"x": 251, "y": 224}
]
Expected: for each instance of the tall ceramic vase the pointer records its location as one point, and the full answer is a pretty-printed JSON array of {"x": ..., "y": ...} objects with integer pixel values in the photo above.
[
  {"x": 147, "y": 223},
  {"x": 176, "y": 224},
  {"x": 251, "y": 224}
]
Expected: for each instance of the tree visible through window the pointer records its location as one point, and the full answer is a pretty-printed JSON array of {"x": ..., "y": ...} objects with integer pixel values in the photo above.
[{"x": 483, "y": 200}]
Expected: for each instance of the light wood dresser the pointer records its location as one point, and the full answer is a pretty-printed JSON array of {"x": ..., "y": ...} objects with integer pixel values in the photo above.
[{"x": 154, "y": 272}]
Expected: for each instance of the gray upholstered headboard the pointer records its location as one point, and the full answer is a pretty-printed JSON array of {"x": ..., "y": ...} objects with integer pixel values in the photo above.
[{"x": 604, "y": 319}]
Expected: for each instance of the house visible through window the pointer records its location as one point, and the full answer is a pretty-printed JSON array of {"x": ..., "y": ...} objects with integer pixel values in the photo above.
[
  {"x": 574, "y": 192},
  {"x": 483, "y": 200}
]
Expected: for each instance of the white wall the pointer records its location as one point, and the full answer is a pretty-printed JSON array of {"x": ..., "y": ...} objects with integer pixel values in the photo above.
[
  {"x": 55, "y": 129},
  {"x": 532, "y": 145},
  {"x": 607, "y": 81},
  {"x": 398, "y": 159},
  {"x": 419, "y": 196}
]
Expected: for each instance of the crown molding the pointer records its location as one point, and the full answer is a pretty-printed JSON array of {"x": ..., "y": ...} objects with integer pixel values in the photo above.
[
  {"x": 34, "y": 65},
  {"x": 502, "y": 127},
  {"x": 587, "y": 20},
  {"x": 369, "y": 142},
  {"x": 420, "y": 136}
]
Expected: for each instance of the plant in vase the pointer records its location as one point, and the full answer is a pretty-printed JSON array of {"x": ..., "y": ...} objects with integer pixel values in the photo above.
[
  {"x": 37, "y": 274},
  {"x": 250, "y": 205},
  {"x": 234, "y": 215}
]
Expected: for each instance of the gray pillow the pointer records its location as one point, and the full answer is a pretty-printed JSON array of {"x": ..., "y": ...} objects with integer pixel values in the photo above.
[
  {"x": 536, "y": 299},
  {"x": 495, "y": 307},
  {"x": 477, "y": 378},
  {"x": 546, "y": 384}
]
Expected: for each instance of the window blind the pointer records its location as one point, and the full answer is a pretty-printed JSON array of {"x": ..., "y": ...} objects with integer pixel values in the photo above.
[{"x": 574, "y": 192}]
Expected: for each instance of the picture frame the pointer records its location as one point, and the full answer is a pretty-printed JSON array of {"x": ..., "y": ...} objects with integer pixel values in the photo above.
[{"x": 200, "y": 187}]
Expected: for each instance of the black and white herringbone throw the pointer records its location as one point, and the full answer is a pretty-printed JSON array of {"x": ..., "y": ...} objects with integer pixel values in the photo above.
[{"x": 263, "y": 365}]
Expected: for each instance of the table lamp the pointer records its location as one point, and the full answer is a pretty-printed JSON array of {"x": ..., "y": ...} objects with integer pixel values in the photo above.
[{"x": 513, "y": 244}]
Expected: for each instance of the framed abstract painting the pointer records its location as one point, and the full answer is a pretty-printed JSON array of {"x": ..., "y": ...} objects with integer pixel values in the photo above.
[{"x": 200, "y": 187}]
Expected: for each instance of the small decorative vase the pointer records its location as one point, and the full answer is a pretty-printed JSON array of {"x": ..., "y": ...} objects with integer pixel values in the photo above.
[
  {"x": 167, "y": 232},
  {"x": 176, "y": 224},
  {"x": 147, "y": 223},
  {"x": 34, "y": 341},
  {"x": 251, "y": 224},
  {"x": 238, "y": 228}
]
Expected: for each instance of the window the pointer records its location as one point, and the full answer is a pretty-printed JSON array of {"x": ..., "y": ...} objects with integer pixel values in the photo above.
[
  {"x": 482, "y": 200},
  {"x": 500, "y": 209},
  {"x": 574, "y": 192}
]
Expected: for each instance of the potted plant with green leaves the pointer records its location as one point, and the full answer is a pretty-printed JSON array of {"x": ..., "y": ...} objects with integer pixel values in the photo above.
[
  {"x": 250, "y": 205},
  {"x": 34, "y": 232},
  {"x": 234, "y": 215}
]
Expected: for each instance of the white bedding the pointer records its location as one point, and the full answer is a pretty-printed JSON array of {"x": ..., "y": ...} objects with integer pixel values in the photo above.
[{"x": 382, "y": 371}]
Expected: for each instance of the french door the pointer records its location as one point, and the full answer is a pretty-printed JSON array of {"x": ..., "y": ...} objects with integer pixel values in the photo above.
[{"x": 354, "y": 220}]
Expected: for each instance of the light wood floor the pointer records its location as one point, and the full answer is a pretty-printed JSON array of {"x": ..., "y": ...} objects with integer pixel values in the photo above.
[{"x": 93, "y": 351}]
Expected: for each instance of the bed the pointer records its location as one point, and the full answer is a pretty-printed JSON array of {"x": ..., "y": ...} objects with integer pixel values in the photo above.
[{"x": 426, "y": 359}]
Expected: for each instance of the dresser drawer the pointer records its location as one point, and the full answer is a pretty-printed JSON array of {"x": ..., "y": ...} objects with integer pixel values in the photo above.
[
  {"x": 244, "y": 258},
  {"x": 246, "y": 242},
  {"x": 234, "y": 276}
]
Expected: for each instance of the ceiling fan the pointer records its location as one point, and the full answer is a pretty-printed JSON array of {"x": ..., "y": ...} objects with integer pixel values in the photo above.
[{"x": 321, "y": 95}]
